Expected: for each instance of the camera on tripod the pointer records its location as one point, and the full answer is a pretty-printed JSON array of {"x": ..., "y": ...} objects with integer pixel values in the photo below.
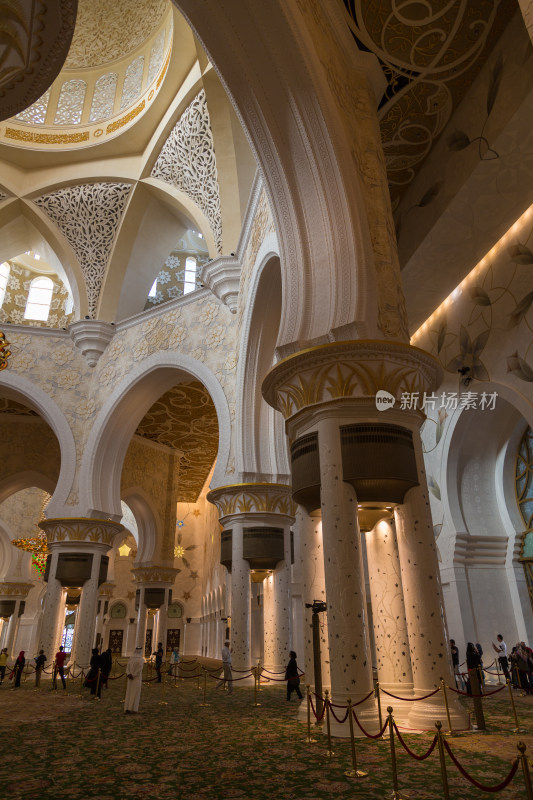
[{"x": 318, "y": 606}]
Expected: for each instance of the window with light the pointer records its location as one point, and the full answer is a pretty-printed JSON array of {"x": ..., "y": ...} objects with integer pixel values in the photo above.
[
  {"x": 39, "y": 299},
  {"x": 4, "y": 277}
]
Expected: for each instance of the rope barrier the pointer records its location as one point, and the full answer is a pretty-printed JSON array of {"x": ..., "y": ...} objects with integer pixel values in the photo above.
[
  {"x": 317, "y": 717},
  {"x": 497, "y": 788},
  {"x": 408, "y": 749},
  {"x": 466, "y": 694},
  {"x": 336, "y": 717},
  {"x": 412, "y": 699},
  {"x": 366, "y": 733}
]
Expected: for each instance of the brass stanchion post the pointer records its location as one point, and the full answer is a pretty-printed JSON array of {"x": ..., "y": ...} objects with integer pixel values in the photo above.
[
  {"x": 81, "y": 681},
  {"x": 67, "y": 676},
  {"x": 444, "y": 776},
  {"x": 378, "y": 698},
  {"x": 198, "y": 676},
  {"x": 525, "y": 768},
  {"x": 309, "y": 739},
  {"x": 257, "y": 677},
  {"x": 443, "y": 687},
  {"x": 353, "y": 773},
  {"x": 396, "y": 792},
  {"x": 518, "y": 729},
  {"x": 54, "y": 678},
  {"x": 330, "y": 752}
]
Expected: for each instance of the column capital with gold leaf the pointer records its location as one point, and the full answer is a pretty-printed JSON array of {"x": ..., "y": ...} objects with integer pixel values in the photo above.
[
  {"x": 348, "y": 372},
  {"x": 73, "y": 531},
  {"x": 253, "y": 501}
]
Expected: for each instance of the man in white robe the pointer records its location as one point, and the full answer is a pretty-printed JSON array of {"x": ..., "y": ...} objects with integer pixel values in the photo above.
[{"x": 134, "y": 673}]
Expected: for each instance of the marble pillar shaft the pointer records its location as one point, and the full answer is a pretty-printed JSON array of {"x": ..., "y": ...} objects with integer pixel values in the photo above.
[
  {"x": 313, "y": 588},
  {"x": 277, "y": 612},
  {"x": 53, "y": 606},
  {"x": 86, "y": 616},
  {"x": 142, "y": 614},
  {"x": 349, "y": 646},
  {"x": 388, "y": 610},
  {"x": 240, "y": 601},
  {"x": 424, "y": 602},
  {"x": 12, "y": 630}
]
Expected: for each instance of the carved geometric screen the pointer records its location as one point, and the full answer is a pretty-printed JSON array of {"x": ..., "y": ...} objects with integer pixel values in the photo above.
[
  {"x": 89, "y": 216},
  {"x": 187, "y": 161}
]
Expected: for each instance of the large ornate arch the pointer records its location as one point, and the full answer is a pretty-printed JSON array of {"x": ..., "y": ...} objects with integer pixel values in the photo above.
[
  {"x": 258, "y": 425},
  {"x": 308, "y": 153},
  {"x": 24, "y": 391},
  {"x": 118, "y": 419}
]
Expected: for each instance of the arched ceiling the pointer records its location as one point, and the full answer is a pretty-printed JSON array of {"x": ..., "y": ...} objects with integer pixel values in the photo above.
[
  {"x": 185, "y": 420},
  {"x": 430, "y": 53},
  {"x": 102, "y": 34}
]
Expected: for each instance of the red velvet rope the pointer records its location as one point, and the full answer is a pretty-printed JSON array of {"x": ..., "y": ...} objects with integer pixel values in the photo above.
[
  {"x": 366, "y": 733},
  {"x": 321, "y": 717},
  {"x": 408, "y": 749},
  {"x": 410, "y": 699},
  {"x": 336, "y": 717},
  {"x": 117, "y": 677},
  {"x": 474, "y": 782},
  {"x": 487, "y": 694}
]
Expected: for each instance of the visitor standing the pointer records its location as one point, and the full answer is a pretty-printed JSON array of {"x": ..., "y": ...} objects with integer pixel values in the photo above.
[
  {"x": 17, "y": 669},
  {"x": 454, "y": 650},
  {"x": 39, "y": 666},
  {"x": 59, "y": 664},
  {"x": 174, "y": 662},
  {"x": 473, "y": 661},
  {"x": 292, "y": 677},
  {"x": 226, "y": 666},
  {"x": 134, "y": 673},
  {"x": 92, "y": 678},
  {"x": 501, "y": 650},
  {"x": 159, "y": 660},
  {"x": 3, "y": 665},
  {"x": 106, "y": 665}
]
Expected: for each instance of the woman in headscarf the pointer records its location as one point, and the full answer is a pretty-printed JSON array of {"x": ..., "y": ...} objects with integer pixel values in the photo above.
[
  {"x": 473, "y": 663},
  {"x": 292, "y": 677},
  {"x": 520, "y": 662},
  {"x": 17, "y": 669},
  {"x": 91, "y": 679}
]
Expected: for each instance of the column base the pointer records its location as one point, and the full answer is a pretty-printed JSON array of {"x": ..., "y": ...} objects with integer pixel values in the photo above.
[
  {"x": 425, "y": 713},
  {"x": 401, "y": 708},
  {"x": 367, "y": 714}
]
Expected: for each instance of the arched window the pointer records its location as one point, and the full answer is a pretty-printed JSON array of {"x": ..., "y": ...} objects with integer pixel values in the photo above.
[
  {"x": 189, "y": 281},
  {"x": 39, "y": 299},
  {"x": 4, "y": 277}
]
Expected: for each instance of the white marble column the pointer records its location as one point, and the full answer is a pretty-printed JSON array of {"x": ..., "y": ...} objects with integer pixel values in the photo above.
[
  {"x": 86, "y": 616},
  {"x": 349, "y": 645},
  {"x": 162, "y": 623},
  {"x": 140, "y": 628},
  {"x": 313, "y": 588},
  {"x": 424, "y": 604},
  {"x": 53, "y": 606},
  {"x": 277, "y": 611},
  {"x": 388, "y": 614},
  {"x": 240, "y": 601},
  {"x": 12, "y": 629}
]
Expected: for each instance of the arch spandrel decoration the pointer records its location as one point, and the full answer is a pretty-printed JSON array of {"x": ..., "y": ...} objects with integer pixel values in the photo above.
[
  {"x": 187, "y": 162},
  {"x": 89, "y": 217},
  {"x": 524, "y": 498}
]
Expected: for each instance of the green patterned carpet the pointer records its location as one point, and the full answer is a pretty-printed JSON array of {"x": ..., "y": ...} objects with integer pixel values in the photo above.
[{"x": 59, "y": 747}]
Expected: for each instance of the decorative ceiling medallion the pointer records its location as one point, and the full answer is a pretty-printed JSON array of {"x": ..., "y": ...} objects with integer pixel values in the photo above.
[
  {"x": 36, "y": 38},
  {"x": 430, "y": 53}
]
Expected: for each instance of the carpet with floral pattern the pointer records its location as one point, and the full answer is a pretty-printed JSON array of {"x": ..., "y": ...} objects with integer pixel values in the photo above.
[{"x": 62, "y": 745}]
